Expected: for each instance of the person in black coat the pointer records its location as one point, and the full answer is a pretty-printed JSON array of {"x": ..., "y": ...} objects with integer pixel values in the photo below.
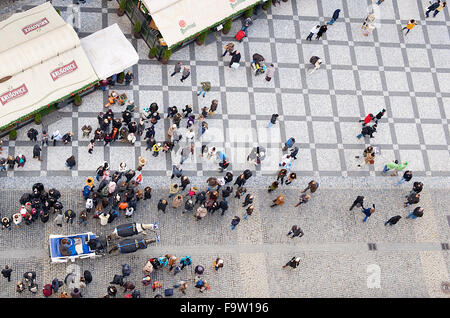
[
  {"x": 323, "y": 29},
  {"x": 162, "y": 204},
  {"x": 6, "y": 272},
  {"x": 235, "y": 57},
  {"x": 37, "y": 152},
  {"x": 295, "y": 231},
  {"x": 393, "y": 220},
  {"x": 223, "y": 205},
  {"x": 359, "y": 202}
]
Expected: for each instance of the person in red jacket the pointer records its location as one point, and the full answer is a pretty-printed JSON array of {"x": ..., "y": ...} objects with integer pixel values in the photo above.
[
  {"x": 47, "y": 290},
  {"x": 367, "y": 120}
]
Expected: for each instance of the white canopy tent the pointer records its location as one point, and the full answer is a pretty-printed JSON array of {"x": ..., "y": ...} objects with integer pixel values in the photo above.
[
  {"x": 42, "y": 62},
  {"x": 178, "y": 20},
  {"x": 106, "y": 59}
]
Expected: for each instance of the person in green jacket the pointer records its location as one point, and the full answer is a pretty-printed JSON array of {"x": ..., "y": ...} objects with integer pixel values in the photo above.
[
  {"x": 206, "y": 86},
  {"x": 394, "y": 166}
]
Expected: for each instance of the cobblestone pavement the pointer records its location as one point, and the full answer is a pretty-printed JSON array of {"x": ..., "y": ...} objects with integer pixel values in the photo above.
[
  {"x": 406, "y": 75},
  {"x": 336, "y": 260}
]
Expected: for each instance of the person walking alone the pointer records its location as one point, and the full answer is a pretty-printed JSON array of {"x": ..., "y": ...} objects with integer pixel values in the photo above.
[
  {"x": 393, "y": 220},
  {"x": 334, "y": 17},
  {"x": 295, "y": 231},
  {"x": 273, "y": 120},
  {"x": 411, "y": 24},
  {"x": 294, "y": 262},
  {"x": 279, "y": 200}
]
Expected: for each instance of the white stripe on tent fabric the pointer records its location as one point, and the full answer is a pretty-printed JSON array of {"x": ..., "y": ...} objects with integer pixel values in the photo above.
[
  {"x": 25, "y": 26},
  {"x": 37, "y": 50},
  {"x": 106, "y": 59},
  {"x": 44, "y": 83},
  {"x": 185, "y": 18}
]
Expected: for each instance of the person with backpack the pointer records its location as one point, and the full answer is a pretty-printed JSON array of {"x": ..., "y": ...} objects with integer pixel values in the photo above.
[
  {"x": 206, "y": 87},
  {"x": 412, "y": 199},
  {"x": 416, "y": 213}
]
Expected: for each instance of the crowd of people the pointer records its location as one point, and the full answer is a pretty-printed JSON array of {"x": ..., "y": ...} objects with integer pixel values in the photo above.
[{"x": 118, "y": 192}]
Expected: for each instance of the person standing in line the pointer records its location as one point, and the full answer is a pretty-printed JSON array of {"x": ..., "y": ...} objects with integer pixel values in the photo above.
[
  {"x": 177, "y": 68},
  {"x": 186, "y": 73},
  {"x": 379, "y": 115},
  {"x": 322, "y": 30},
  {"x": 273, "y": 120},
  {"x": 407, "y": 176},
  {"x": 249, "y": 211},
  {"x": 281, "y": 175},
  {"x": 334, "y": 17},
  {"x": 417, "y": 213},
  {"x": 294, "y": 262},
  {"x": 6, "y": 272},
  {"x": 417, "y": 188},
  {"x": 393, "y": 220},
  {"x": 359, "y": 202},
  {"x": 279, "y": 200},
  {"x": 411, "y": 24},
  {"x": 412, "y": 199},
  {"x": 295, "y": 231},
  {"x": 91, "y": 146},
  {"x": 368, "y": 212},
  {"x": 313, "y": 31}
]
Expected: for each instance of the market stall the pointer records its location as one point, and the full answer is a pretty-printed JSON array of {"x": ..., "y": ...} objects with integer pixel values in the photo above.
[
  {"x": 108, "y": 59},
  {"x": 180, "y": 20},
  {"x": 42, "y": 63}
]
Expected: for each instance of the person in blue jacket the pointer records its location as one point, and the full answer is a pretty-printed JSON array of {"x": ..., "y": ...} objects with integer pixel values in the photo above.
[{"x": 334, "y": 17}]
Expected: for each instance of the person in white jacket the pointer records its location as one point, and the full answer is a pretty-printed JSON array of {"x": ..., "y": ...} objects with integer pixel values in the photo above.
[
  {"x": 313, "y": 31},
  {"x": 104, "y": 218}
]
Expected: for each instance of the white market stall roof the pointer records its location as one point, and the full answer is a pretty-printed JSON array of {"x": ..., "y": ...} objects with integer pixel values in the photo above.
[
  {"x": 180, "y": 19},
  {"x": 109, "y": 51},
  {"x": 41, "y": 61}
]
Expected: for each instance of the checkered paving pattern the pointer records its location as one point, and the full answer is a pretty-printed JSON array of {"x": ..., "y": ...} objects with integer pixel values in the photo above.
[{"x": 406, "y": 75}]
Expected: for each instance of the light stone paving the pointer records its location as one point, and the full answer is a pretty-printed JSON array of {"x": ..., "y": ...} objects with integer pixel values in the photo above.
[{"x": 407, "y": 76}]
